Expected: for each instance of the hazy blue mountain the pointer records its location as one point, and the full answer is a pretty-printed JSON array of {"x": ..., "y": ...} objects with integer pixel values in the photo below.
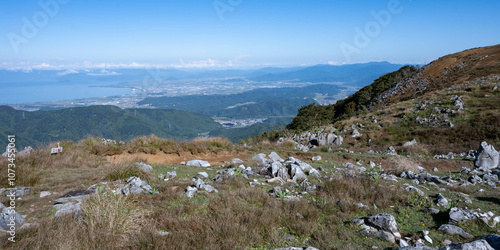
[
  {"x": 359, "y": 74},
  {"x": 317, "y": 73}
]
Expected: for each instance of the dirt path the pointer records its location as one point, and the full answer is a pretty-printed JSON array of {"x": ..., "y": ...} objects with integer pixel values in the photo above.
[{"x": 163, "y": 158}]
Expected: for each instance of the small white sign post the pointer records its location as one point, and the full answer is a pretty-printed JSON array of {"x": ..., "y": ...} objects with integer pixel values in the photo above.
[{"x": 56, "y": 150}]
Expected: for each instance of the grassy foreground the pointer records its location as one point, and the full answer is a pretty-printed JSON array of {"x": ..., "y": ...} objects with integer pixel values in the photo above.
[{"x": 238, "y": 216}]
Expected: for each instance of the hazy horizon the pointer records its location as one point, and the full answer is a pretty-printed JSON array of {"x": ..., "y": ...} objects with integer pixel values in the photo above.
[{"x": 223, "y": 34}]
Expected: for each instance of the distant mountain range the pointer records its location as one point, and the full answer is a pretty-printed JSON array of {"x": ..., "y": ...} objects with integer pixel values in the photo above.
[
  {"x": 360, "y": 74},
  {"x": 357, "y": 74}
]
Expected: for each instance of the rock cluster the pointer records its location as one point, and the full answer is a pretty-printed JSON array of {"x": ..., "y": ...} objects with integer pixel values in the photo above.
[
  {"x": 109, "y": 141},
  {"x": 485, "y": 243},
  {"x": 18, "y": 191},
  {"x": 310, "y": 140},
  {"x": 382, "y": 226},
  {"x": 145, "y": 167},
  {"x": 290, "y": 169},
  {"x": 458, "y": 215},
  {"x": 450, "y": 156},
  {"x": 487, "y": 157},
  {"x": 6, "y": 215},
  {"x": 70, "y": 202},
  {"x": 25, "y": 152},
  {"x": 199, "y": 185},
  {"x": 135, "y": 186}
]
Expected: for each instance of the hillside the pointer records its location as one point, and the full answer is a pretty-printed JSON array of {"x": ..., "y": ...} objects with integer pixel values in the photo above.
[
  {"x": 33, "y": 128},
  {"x": 421, "y": 103}
]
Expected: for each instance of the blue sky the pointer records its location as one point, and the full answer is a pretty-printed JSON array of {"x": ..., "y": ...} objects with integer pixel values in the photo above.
[{"x": 239, "y": 33}]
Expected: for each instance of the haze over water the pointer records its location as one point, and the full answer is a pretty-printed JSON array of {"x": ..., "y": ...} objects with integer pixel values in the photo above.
[{"x": 55, "y": 91}]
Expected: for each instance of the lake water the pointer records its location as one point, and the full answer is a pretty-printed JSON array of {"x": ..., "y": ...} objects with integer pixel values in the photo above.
[{"x": 13, "y": 93}]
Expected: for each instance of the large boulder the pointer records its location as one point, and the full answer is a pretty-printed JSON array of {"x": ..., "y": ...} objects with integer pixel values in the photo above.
[
  {"x": 441, "y": 200},
  {"x": 76, "y": 196},
  {"x": 391, "y": 151},
  {"x": 328, "y": 139},
  {"x": 260, "y": 158},
  {"x": 297, "y": 173},
  {"x": 6, "y": 214},
  {"x": 67, "y": 208},
  {"x": 410, "y": 143},
  {"x": 451, "y": 229},
  {"x": 136, "y": 186},
  {"x": 145, "y": 167},
  {"x": 198, "y": 163},
  {"x": 191, "y": 191},
  {"x": 384, "y": 222},
  {"x": 236, "y": 161},
  {"x": 378, "y": 234},
  {"x": 475, "y": 245},
  {"x": 487, "y": 157},
  {"x": 493, "y": 240},
  {"x": 8, "y": 150},
  {"x": 275, "y": 157},
  {"x": 19, "y": 191},
  {"x": 25, "y": 152}
]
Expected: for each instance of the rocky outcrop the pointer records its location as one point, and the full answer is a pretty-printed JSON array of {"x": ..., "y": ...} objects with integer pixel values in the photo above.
[
  {"x": 382, "y": 226},
  {"x": 275, "y": 157},
  {"x": 457, "y": 215},
  {"x": 10, "y": 220},
  {"x": 290, "y": 169},
  {"x": 70, "y": 202},
  {"x": 198, "y": 163},
  {"x": 199, "y": 185},
  {"x": 236, "y": 161},
  {"x": 474, "y": 245},
  {"x": 487, "y": 157},
  {"x": 145, "y": 167},
  {"x": 410, "y": 143},
  {"x": 451, "y": 229},
  {"x": 18, "y": 191},
  {"x": 308, "y": 140},
  {"x": 135, "y": 186}
]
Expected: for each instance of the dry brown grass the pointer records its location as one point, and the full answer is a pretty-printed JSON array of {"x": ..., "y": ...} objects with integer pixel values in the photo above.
[
  {"x": 152, "y": 144},
  {"x": 96, "y": 146},
  {"x": 417, "y": 149},
  {"x": 462, "y": 137},
  {"x": 107, "y": 221},
  {"x": 30, "y": 169},
  {"x": 400, "y": 164},
  {"x": 238, "y": 217},
  {"x": 126, "y": 170},
  {"x": 350, "y": 190}
]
